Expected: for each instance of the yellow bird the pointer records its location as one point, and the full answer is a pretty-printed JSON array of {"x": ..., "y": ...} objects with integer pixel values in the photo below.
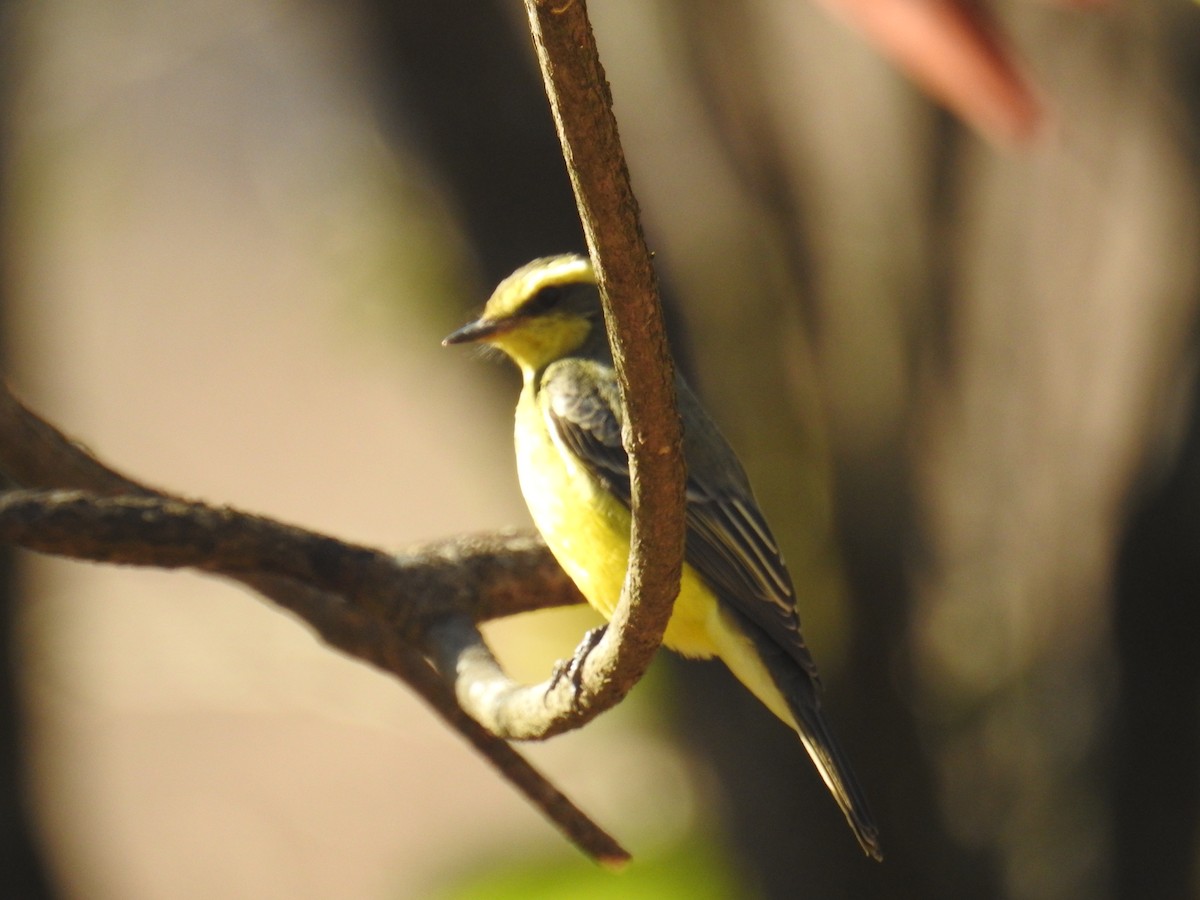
[{"x": 736, "y": 600}]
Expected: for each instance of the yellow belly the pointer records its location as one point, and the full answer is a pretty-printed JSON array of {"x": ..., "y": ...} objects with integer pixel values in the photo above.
[{"x": 587, "y": 530}]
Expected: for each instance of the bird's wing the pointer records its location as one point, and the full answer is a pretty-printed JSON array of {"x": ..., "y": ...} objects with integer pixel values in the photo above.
[
  {"x": 582, "y": 405},
  {"x": 730, "y": 545},
  {"x": 728, "y": 541}
]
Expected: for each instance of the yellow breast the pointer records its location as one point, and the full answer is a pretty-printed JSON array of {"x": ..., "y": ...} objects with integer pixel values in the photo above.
[{"x": 587, "y": 530}]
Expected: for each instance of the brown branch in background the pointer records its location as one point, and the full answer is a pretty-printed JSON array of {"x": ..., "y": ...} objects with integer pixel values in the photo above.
[
  {"x": 958, "y": 54},
  {"x": 582, "y": 108}
]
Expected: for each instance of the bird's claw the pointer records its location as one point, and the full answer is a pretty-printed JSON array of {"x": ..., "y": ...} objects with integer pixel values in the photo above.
[{"x": 572, "y": 669}]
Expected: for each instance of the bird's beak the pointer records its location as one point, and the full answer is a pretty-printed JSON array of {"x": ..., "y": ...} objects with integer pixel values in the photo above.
[{"x": 479, "y": 330}]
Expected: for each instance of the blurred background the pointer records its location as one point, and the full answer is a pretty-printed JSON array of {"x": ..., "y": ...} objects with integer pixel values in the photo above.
[{"x": 960, "y": 371}]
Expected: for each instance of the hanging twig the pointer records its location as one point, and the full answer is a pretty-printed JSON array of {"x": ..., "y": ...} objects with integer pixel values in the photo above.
[{"x": 582, "y": 108}]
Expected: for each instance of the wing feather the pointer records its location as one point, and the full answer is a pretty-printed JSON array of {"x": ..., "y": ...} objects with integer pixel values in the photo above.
[{"x": 728, "y": 541}]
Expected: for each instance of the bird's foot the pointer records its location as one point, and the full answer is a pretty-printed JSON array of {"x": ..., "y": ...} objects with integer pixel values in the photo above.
[{"x": 572, "y": 669}]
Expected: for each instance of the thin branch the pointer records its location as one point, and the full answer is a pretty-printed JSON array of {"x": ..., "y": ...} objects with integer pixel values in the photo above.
[
  {"x": 388, "y": 651},
  {"x": 481, "y": 577},
  {"x": 396, "y": 656},
  {"x": 582, "y": 108}
]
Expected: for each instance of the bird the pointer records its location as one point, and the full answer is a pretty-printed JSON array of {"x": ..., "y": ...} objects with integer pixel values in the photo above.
[{"x": 736, "y": 599}]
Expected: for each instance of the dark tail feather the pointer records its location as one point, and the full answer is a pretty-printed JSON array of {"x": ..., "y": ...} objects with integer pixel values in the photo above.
[
  {"x": 800, "y": 691},
  {"x": 835, "y": 771}
]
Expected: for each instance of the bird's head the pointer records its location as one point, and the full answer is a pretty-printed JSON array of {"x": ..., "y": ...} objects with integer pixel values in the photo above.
[{"x": 544, "y": 311}]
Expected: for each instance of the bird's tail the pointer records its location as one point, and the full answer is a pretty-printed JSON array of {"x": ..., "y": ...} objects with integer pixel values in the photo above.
[
  {"x": 799, "y": 692},
  {"x": 835, "y": 771}
]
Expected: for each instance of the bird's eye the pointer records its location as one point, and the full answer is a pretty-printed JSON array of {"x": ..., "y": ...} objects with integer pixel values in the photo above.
[{"x": 544, "y": 300}]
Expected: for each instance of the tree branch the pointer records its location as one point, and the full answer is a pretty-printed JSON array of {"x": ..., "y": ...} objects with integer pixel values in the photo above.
[
  {"x": 582, "y": 108},
  {"x": 380, "y": 608}
]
